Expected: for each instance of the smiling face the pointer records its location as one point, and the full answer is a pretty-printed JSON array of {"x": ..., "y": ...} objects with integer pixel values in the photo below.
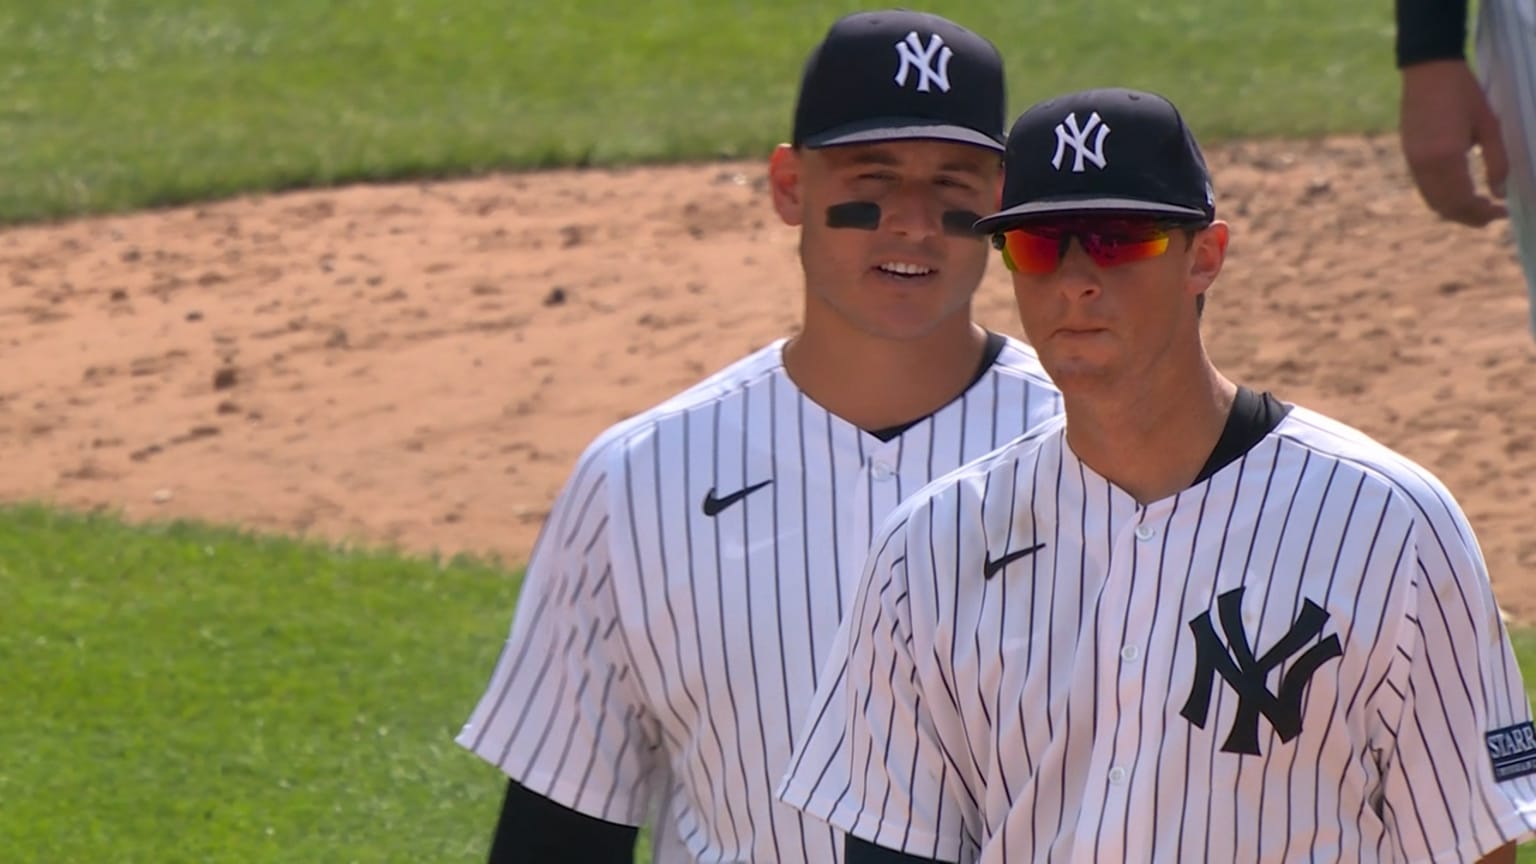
[{"x": 907, "y": 277}]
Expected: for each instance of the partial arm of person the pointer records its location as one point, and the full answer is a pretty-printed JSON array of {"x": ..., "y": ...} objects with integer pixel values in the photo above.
[
  {"x": 535, "y": 830},
  {"x": 1457, "y": 749},
  {"x": 871, "y": 759},
  {"x": 856, "y": 851},
  {"x": 1444, "y": 113},
  {"x": 563, "y": 716}
]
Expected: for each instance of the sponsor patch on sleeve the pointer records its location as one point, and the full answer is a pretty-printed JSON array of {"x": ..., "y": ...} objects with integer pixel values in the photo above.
[{"x": 1513, "y": 750}]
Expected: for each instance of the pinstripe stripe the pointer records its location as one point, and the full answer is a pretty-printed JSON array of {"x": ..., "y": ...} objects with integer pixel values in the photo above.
[
  {"x": 710, "y": 789},
  {"x": 1152, "y": 638},
  {"x": 1340, "y": 794},
  {"x": 1506, "y": 43},
  {"x": 1178, "y": 646},
  {"x": 1093, "y": 745},
  {"x": 663, "y": 660},
  {"x": 1439, "y": 517},
  {"x": 1307, "y": 565}
]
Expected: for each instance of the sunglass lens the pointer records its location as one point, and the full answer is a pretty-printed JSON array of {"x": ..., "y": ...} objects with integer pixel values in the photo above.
[
  {"x": 1027, "y": 251},
  {"x": 1114, "y": 249}
]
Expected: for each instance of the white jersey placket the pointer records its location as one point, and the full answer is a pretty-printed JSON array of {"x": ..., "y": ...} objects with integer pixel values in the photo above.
[
  {"x": 1132, "y": 557},
  {"x": 876, "y": 489}
]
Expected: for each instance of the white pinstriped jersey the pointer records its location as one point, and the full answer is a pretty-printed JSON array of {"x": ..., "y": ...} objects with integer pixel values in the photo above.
[
  {"x": 1297, "y": 659},
  {"x": 686, "y": 588},
  {"x": 1506, "y": 61}
]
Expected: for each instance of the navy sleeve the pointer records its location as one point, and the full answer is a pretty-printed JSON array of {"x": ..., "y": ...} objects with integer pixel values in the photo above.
[
  {"x": 1431, "y": 30},
  {"x": 534, "y": 829},
  {"x": 856, "y": 851}
]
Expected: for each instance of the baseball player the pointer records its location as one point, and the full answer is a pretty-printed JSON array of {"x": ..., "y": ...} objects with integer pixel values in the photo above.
[
  {"x": 1446, "y": 110},
  {"x": 1184, "y": 622},
  {"x": 688, "y": 583}
]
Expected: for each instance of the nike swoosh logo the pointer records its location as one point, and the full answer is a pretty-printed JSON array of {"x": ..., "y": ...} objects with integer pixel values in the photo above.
[
  {"x": 992, "y": 568},
  {"x": 713, "y": 505}
]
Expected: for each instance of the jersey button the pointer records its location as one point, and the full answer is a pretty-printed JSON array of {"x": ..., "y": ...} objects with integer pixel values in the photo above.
[
  {"x": 1145, "y": 532},
  {"x": 1129, "y": 653},
  {"x": 1117, "y": 775},
  {"x": 882, "y": 471}
]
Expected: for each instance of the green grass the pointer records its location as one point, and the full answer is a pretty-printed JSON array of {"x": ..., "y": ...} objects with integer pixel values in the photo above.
[
  {"x": 120, "y": 104},
  {"x": 190, "y": 694},
  {"x": 180, "y": 693},
  {"x": 184, "y": 694}
]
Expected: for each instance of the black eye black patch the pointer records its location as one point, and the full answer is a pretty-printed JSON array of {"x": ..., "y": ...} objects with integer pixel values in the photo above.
[
  {"x": 959, "y": 222},
  {"x": 865, "y": 216}
]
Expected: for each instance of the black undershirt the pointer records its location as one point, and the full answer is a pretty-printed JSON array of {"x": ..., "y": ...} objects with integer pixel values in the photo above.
[
  {"x": 535, "y": 830},
  {"x": 1431, "y": 30},
  {"x": 989, "y": 354},
  {"x": 1253, "y": 416}
]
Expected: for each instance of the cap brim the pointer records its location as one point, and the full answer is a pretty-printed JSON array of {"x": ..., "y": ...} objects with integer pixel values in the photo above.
[
  {"x": 1071, "y": 206},
  {"x": 901, "y": 129}
]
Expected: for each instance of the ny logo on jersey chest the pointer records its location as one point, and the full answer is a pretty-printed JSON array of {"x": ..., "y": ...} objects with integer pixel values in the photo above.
[{"x": 1248, "y": 675}]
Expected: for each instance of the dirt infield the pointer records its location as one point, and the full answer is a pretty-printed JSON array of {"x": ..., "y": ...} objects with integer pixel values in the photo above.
[{"x": 420, "y": 365}]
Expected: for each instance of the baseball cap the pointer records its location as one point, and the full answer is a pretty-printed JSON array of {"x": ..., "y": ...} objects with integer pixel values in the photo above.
[
  {"x": 1110, "y": 150},
  {"x": 895, "y": 74}
]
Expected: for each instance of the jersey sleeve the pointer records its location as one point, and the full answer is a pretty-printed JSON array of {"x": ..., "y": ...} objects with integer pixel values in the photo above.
[
  {"x": 1459, "y": 767},
  {"x": 562, "y": 715},
  {"x": 1430, "y": 30},
  {"x": 870, "y": 760}
]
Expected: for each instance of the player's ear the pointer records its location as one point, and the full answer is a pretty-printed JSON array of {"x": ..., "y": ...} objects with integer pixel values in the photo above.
[
  {"x": 784, "y": 172},
  {"x": 1208, "y": 253}
]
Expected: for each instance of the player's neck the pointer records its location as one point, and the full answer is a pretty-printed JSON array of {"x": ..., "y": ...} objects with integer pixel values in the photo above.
[
  {"x": 878, "y": 383},
  {"x": 1152, "y": 438}
]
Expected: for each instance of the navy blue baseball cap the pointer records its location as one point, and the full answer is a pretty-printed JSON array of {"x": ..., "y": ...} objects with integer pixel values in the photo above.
[
  {"x": 898, "y": 75},
  {"x": 1107, "y": 151}
]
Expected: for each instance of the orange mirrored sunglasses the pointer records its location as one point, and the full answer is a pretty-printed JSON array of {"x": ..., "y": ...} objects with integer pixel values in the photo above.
[{"x": 1039, "y": 247}]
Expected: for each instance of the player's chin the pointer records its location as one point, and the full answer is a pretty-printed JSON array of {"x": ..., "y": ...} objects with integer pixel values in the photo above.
[
  {"x": 1089, "y": 357},
  {"x": 912, "y": 311},
  {"x": 906, "y": 325},
  {"x": 1082, "y": 371}
]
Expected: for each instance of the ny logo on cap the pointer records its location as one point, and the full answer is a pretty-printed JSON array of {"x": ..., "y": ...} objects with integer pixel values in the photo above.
[
  {"x": 1069, "y": 135},
  {"x": 914, "y": 56}
]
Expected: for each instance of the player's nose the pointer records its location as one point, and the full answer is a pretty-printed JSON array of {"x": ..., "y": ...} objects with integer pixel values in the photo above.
[
  {"x": 913, "y": 213},
  {"x": 1078, "y": 276}
]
